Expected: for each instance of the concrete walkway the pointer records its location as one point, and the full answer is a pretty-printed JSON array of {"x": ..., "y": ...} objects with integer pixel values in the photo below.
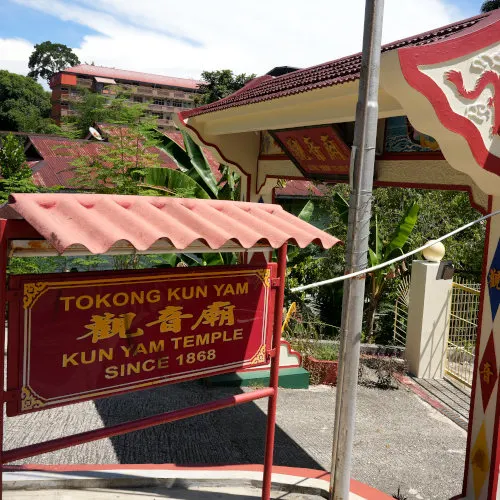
[
  {"x": 400, "y": 441},
  {"x": 160, "y": 481},
  {"x": 452, "y": 401}
]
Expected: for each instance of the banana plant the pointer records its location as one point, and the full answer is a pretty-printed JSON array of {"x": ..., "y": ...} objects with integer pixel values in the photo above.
[
  {"x": 380, "y": 252},
  {"x": 193, "y": 179},
  {"x": 191, "y": 163}
]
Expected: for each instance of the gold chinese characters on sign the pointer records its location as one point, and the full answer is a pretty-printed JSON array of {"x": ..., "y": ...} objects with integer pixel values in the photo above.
[{"x": 319, "y": 152}]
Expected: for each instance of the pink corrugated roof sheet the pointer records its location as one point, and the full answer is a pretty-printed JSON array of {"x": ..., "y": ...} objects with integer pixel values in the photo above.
[
  {"x": 99, "y": 221},
  {"x": 133, "y": 76}
]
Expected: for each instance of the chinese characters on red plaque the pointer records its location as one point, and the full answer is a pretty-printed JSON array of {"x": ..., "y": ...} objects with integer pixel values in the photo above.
[
  {"x": 319, "y": 152},
  {"x": 82, "y": 336}
]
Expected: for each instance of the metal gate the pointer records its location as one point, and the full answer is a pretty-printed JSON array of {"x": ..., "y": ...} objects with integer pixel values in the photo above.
[
  {"x": 401, "y": 313},
  {"x": 464, "y": 312}
]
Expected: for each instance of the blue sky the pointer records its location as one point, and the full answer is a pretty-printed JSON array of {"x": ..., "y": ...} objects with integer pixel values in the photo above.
[
  {"x": 18, "y": 21},
  {"x": 168, "y": 37}
]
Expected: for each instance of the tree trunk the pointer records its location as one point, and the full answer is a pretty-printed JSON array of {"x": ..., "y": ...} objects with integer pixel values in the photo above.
[{"x": 370, "y": 317}]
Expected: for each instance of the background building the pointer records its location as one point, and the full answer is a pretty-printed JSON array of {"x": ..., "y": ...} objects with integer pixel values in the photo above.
[{"x": 164, "y": 95}]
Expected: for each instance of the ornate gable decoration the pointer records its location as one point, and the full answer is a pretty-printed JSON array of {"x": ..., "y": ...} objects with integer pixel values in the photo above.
[{"x": 461, "y": 79}]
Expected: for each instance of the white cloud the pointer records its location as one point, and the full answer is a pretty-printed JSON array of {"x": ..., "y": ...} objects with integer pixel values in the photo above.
[
  {"x": 14, "y": 54},
  {"x": 183, "y": 39}
]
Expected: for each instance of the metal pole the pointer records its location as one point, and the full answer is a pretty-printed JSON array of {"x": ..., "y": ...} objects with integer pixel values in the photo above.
[
  {"x": 3, "y": 293},
  {"x": 33, "y": 450},
  {"x": 365, "y": 135},
  {"x": 274, "y": 376}
]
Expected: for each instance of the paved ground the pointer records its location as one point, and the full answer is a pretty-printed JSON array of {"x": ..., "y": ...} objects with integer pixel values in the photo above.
[
  {"x": 193, "y": 493},
  {"x": 400, "y": 440}
]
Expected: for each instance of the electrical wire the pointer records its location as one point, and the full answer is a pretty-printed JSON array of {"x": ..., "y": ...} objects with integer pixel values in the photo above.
[{"x": 392, "y": 261}]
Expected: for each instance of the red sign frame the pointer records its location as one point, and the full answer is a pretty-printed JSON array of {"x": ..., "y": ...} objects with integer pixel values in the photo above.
[{"x": 72, "y": 336}]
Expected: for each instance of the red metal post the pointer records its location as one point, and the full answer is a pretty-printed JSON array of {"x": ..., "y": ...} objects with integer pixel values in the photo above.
[
  {"x": 134, "y": 425},
  {"x": 274, "y": 375},
  {"x": 3, "y": 291}
]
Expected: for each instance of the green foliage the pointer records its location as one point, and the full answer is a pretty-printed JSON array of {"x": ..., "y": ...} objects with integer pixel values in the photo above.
[
  {"x": 195, "y": 178},
  {"x": 229, "y": 185},
  {"x": 490, "y": 5},
  {"x": 12, "y": 158},
  {"x": 92, "y": 108},
  {"x": 174, "y": 182},
  {"x": 219, "y": 84},
  {"x": 35, "y": 265},
  {"x": 49, "y": 58},
  {"x": 440, "y": 212},
  {"x": 24, "y": 105},
  {"x": 119, "y": 169},
  {"x": 305, "y": 334},
  {"x": 15, "y": 172}
]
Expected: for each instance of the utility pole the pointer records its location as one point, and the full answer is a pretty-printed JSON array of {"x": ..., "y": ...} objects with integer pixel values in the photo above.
[{"x": 363, "y": 152}]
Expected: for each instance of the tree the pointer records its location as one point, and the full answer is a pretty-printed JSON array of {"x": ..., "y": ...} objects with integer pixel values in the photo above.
[
  {"x": 490, "y": 5},
  {"x": 15, "y": 172},
  {"x": 381, "y": 251},
  {"x": 121, "y": 165},
  {"x": 219, "y": 84},
  {"x": 24, "y": 105},
  {"x": 92, "y": 108},
  {"x": 440, "y": 212},
  {"x": 49, "y": 58}
]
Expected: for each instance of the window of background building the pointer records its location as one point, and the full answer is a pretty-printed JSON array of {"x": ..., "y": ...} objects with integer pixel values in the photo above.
[
  {"x": 137, "y": 98},
  {"x": 177, "y": 104},
  {"x": 160, "y": 102}
]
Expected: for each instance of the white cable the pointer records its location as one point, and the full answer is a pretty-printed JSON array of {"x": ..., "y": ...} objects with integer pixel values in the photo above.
[{"x": 392, "y": 261}]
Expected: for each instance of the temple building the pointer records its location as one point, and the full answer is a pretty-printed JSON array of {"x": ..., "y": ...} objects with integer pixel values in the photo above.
[{"x": 438, "y": 128}]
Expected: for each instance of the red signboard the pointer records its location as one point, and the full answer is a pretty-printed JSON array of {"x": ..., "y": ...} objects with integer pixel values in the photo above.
[
  {"x": 319, "y": 152},
  {"x": 74, "y": 337}
]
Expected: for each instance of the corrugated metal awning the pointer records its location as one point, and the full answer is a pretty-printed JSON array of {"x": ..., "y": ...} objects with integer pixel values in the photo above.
[
  {"x": 102, "y": 222},
  {"x": 108, "y": 81}
]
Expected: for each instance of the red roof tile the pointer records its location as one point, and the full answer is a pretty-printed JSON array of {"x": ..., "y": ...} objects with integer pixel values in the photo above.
[
  {"x": 100, "y": 221},
  {"x": 58, "y": 155},
  {"x": 54, "y": 172},
  {"x": 108, "y": 129},
  {"x": 133, "y": 76},
  {"x": 49, "y": 145},
  {"x": 330, "y": 73},
  {"x": 113, "y": 130}
]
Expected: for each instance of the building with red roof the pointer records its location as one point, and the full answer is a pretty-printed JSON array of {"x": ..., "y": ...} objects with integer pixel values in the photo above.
[
  {"x": 163, "y": 95},
  {"x": 52, "y": 158}
]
